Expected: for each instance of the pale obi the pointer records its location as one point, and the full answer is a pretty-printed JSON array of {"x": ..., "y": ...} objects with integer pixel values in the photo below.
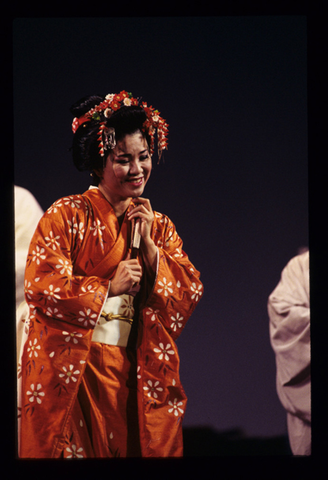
[{"x": 114, "y": 325}]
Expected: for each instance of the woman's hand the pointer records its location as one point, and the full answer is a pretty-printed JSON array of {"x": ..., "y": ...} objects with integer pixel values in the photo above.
[
  {"x": 128, "y": 273},
  {"x": 144, "y": 212}
]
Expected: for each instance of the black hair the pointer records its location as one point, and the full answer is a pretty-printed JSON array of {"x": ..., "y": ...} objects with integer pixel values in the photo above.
[{"x": 85, "y": 147}]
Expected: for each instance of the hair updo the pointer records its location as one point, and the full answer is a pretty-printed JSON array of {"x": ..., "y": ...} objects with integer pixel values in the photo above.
[{"x": 85, "y": 147}]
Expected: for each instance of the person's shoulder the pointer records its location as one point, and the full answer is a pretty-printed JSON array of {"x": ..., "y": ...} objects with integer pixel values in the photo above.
[
  {"x": 74, "y": 202},
  {"x": 24, "y": 197},
  {"x": 164, "y": 227},
  {"x": 300, "y": 261},
  {"x": 162, "y": 220}
]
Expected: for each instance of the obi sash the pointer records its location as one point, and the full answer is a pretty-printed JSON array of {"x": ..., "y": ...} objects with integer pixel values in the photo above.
[{"x": 114, "y": 324}]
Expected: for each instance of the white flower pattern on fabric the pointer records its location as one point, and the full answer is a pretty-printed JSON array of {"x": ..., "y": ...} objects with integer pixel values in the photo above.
[
  {"x": 168, "y": 239},
  {"x": 72, "y": 336},
  {"x": 69, "y": 374},
  {"x": 164, "y": 352},
  {"x": 89, "y": 289},
  {"x": 81, "y": 230},
  {"x": 73, "y": 202},
  {"x": 197, "y": 293},
  {"x": 153, "y": 388},
  {"x": 35, "y": 393},
  {"x": 53, "y": 312},
  {"x": 32, "y": 311},
  {"x": 166, "y": 287},
  {"x": 52, "y": 294},
  {"x": 152, "y": 313},
  {"x": 163, "y": 219},
  {"x": 97, "y": 227},
  {"x": 138, "y": 372},
  {"x": 28, "y": 292},
  {"x": 75, "y": 452},
  {"x": 53, "y": 207},
  {"x": 175, "y": 407},
  {"x": 178, "y": 254},
  {"x": 176, "y": 321},
  {"x": 72, "y": 226},
  {"x": 65, "y": 267},
  {"x": 33, "y": 347},
  {"x": 38, "y": 254},
  {"x": 87, "y": 317},
  {"x": 52, "y": 241}
]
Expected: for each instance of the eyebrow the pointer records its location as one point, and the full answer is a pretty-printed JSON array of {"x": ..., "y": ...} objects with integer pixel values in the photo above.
[{"x": 129, "y": 154}]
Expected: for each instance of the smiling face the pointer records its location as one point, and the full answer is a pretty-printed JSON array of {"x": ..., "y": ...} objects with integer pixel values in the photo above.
[{"x": 127, "y": 170}]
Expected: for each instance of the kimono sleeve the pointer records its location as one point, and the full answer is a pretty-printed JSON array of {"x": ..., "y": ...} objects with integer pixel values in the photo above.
[
  {"x": 51, "y": 285},
  {"x": 289, "y": 313},
  {"x": 177, "y": 288}
]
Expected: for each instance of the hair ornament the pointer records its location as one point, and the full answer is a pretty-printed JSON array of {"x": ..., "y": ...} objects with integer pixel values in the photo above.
[
  {"x": 113, "y": 102},
  {"x": 78, "y": 121},
  {"x": 108, "y": 138}
]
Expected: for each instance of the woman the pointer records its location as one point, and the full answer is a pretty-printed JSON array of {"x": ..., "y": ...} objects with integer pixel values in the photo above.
[{"x": 100, "y": 368}]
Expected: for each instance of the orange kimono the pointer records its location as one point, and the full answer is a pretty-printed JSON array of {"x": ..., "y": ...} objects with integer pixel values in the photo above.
[{"x": 71, "y": 385}]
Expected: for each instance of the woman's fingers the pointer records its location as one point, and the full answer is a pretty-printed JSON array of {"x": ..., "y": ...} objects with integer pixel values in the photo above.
[
  {"x": 143, "y": 211},
  {"x": 128, "y": 273},
  {"x": 142, "y": 206},
  {"x": 131, "y": 267}
]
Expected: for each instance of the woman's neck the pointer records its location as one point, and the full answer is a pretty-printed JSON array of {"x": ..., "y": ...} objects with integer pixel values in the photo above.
[{"x": 119, "y": 205}]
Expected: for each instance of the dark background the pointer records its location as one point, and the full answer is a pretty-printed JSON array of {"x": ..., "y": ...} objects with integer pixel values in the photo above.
[{"x": 234, "y": 179}]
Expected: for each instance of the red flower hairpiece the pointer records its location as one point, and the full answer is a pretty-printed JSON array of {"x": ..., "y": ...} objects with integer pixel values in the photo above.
[
  {"x": 78, "y": 121},
  {"x": 112, "y": 103}
]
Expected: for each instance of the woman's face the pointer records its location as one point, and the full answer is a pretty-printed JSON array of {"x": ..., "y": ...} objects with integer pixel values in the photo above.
[{"x": 127, "y": 169}]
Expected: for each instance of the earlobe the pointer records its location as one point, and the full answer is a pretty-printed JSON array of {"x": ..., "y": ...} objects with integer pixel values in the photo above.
[{"x": 99, "y": 172}]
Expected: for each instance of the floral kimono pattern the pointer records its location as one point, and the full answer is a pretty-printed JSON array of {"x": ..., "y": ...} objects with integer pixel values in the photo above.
[{"x": 72, "y": 257}]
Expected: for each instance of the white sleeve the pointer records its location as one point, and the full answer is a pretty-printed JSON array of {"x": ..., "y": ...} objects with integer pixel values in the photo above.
[
  {"x": 289, "y": 313},
  {"x": 27, "y": 215}
]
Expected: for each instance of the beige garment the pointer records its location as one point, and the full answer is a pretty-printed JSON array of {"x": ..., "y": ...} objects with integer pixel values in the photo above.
[
  {"x": 289, "y": 312},
  {"x": 27, "y": 215}
]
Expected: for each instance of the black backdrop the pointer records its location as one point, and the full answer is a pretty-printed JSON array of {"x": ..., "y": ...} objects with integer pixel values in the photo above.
[{"x": 234, "y": 179}]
